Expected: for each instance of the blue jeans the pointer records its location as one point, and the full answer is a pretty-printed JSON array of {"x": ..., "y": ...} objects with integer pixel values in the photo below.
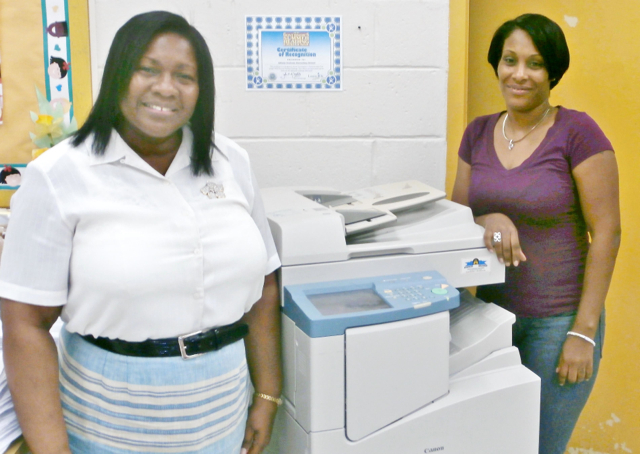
[{"x": 540, "y": 342}]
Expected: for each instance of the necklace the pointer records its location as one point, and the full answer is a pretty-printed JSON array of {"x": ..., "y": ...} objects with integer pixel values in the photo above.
[{"x": 512, "y": 143}]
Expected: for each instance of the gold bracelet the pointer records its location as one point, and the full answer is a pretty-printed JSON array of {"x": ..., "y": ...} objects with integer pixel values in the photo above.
[{"x": 275, "y": 400}]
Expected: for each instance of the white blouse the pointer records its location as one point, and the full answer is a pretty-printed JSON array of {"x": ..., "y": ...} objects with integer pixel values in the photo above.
[{"x": 133, "y": 254}]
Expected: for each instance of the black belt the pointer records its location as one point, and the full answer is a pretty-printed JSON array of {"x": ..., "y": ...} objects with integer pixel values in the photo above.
[{"x": 188, "y": 345}]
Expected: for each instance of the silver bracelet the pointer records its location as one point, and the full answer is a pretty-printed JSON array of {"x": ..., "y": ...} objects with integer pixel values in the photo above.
[{"x": 582, "y": 336}]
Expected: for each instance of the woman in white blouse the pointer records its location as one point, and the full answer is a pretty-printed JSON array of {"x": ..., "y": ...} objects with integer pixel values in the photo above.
[{"x": 145, "y": 232}]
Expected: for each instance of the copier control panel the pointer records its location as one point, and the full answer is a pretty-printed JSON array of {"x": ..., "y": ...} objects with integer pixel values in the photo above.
[{"x": 329, "y": 308}]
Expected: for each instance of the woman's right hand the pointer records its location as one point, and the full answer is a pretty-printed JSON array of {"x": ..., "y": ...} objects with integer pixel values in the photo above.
[
  {"x": 31, "y": 364},
  {"x": 508, "y": 247}
]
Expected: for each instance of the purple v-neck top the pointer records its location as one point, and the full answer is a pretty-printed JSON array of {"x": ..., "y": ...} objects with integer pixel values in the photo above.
[{"x": 541, "y": 199}]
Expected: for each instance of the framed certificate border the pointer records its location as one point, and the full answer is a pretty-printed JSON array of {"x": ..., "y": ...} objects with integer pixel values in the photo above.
[{"x": 293, "y": 53}]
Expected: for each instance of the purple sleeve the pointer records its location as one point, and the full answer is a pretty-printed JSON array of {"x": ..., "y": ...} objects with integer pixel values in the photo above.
[
  {"x": 469, "y": 137},
  {"x": 585, "y": 139}
]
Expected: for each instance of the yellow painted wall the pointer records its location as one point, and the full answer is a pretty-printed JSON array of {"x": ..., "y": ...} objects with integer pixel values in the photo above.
[
  {"x": 457, "y": 83},
  {"x": 21, "y": 50},
  {"x": 602, "y": 81}
]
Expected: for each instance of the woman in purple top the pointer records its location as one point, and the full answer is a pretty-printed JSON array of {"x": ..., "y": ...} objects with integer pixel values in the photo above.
[{"x": 543, "y": 182}]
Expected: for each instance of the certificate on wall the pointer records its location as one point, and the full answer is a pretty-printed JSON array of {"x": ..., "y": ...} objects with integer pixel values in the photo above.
[{"x": 293, "y": 53}]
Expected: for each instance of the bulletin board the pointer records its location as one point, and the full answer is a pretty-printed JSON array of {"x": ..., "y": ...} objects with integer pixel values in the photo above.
[{"x": 22, "y": 53}]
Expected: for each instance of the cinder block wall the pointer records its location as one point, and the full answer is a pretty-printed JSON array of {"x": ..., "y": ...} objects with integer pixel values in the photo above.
[{"x": 388, "y": 123}]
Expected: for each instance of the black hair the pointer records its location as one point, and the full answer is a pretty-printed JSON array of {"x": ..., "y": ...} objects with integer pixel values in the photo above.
[
  {"x": 63, "y": 65},
  {"x": 129, "y": 46},
  {"x": 8, "y": 170},
  {"x": 546, "y": 35}
]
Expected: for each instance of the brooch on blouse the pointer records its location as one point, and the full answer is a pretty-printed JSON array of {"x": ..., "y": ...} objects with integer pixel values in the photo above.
[{"x": 212, "y": 190}]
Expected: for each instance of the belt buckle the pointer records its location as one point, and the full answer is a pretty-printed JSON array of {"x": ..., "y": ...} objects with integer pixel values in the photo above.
[{"x": 183, "y": 348}]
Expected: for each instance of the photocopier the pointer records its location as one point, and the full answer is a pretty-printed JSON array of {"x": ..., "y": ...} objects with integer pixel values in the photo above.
[{"x": 384, "y": 351}]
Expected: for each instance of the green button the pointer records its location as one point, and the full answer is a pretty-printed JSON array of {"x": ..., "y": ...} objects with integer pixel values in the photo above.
[{"x": 439, "y": 291}]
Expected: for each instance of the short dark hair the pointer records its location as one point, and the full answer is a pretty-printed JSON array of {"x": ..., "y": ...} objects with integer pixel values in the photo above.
[
  {"x": 546, "y": 35},
  {"x": 128, "y": 47}
]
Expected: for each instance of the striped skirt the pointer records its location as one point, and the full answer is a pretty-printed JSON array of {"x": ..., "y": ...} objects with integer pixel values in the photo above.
[{"x": 116, "y": 404}]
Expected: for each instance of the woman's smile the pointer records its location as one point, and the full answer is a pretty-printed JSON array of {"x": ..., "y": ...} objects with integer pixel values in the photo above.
[{"x": 158, "y": 108}]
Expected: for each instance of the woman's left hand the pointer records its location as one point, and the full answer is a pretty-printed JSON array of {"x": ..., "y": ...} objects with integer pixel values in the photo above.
[
  {"x": 262, "y": 414},
  {"x": 576, "y": 361}
]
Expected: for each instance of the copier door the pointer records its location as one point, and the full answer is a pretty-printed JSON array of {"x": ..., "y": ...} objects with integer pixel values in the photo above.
[{"x": 393, "y": 369}]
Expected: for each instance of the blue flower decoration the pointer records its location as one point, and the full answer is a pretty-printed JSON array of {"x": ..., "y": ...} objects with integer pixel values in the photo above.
[
  {"x": 257, "y": 80},
  {"x": 331, "y": 28},
  {"x": 331, "y": 80}
]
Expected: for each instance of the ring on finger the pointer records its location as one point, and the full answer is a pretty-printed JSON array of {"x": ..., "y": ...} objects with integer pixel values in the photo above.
[{"x": 497, "y": 237}]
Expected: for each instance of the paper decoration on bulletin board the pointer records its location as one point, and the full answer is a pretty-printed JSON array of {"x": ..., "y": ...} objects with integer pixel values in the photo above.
[
  {"x": 293, "y": 53},
  {"x": 1, "y": 98},
  {"x": 57, "y": 53},
  {"x": 10, "y": 176}
]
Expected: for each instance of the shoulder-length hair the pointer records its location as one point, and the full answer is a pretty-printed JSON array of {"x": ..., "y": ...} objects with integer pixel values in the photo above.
[
  {"x": 546, "y": 35},
  {"x": 128, "y": 47}
]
